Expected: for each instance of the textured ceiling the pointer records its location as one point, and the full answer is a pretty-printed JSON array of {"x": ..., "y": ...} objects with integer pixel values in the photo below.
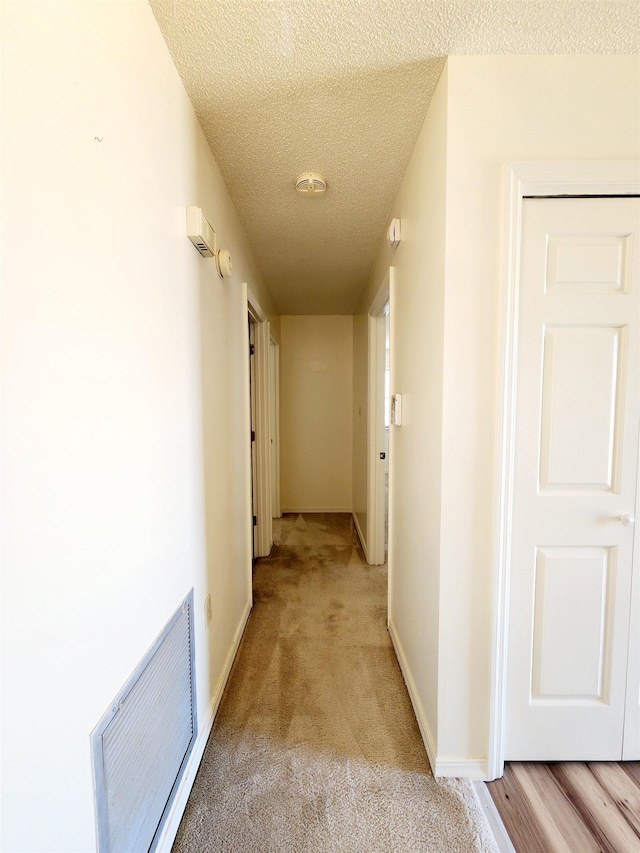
[{"x": 341, "y": 88}]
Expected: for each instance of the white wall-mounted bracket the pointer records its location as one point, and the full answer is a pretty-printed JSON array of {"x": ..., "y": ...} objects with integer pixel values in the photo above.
[{"x": 200, "y": 232}]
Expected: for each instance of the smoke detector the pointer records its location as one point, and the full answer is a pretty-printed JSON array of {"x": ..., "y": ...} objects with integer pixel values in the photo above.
[
  {"x": 224, "y": 263},
  {"x": 311, "y": 183}
]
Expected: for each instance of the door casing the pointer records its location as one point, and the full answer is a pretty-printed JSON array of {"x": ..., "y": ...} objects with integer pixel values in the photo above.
[
  {"x": 261, "y": 418},
  {"x": 375, "y": 545},
  {"x": 274, "y": 424},
  {"x": 533, "y": 179}
]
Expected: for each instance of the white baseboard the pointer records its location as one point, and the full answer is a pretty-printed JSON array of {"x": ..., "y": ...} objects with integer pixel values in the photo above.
[
  {"x": 465, "y": 768},
  {"x": 418, "y": 709},
  {"x": 317, "y": 509},
  {"x": 170, "y": 828},
  {"x": 363, "y": 542}
]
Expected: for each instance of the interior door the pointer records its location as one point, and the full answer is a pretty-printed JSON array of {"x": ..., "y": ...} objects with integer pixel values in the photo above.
[{"x": 572, "y": 672}]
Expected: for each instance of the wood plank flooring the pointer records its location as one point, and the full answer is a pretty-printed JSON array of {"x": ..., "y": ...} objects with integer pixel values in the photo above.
[{"x": 569, "y": 807}]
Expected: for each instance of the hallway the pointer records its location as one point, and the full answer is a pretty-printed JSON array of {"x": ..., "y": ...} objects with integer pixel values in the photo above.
[
  {"x": 315, "y": 746},
  {"x": 126, "y": 461}
]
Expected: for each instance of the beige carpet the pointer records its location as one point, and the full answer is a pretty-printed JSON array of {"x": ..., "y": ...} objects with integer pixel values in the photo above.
[{"x": 315, "y": 747}]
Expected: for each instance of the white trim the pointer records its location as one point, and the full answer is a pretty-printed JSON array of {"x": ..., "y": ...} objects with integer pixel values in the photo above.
[
  {"x": 363, "y": 541},
  {"x": 262, "y": 498},
  {"x": 253, "y": 429},
  {"x": 576, "y": 177},
  {"x": 461, "y": 768},
  {"x": 255, "y": 309},
  {"x": 418, "y": 709},
  {"x": 274, "y": 421},
  {"x": 376, "y": 347},
  {"x": 379, "y": 301},
  {"x": 246, "y": 370},
  {"x": 375, "y": 439},
  {"x": 390, "y": 467},
  {"x": 261, "y": 419},
  {"x": 497, "y": 827},
  {"x": 170, "y": 829},
  {"x": 311, "y": 509},
  {"x": 631, "y": 737},
  {"x": 550, "y": 178}
]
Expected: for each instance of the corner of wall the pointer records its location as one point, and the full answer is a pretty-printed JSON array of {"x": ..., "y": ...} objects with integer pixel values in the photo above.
[{"x": 426, "y": 730}]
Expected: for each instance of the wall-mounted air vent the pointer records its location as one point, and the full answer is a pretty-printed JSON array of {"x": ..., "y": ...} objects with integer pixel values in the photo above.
[
  {"x": 200, "y": 232},
  {"x": 142, "y": 744}
]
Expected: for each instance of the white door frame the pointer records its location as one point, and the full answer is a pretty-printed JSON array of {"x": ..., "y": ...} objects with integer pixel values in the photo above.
[
  {"x": 274, "y": 424},
  {"x": 522, "y": 179},
  {"x": 375, "y": 423},
  {"x": 262, "y": 497}
]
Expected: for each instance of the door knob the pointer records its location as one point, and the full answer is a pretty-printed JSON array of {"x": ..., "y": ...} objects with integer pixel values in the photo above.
[{"x": 628, "y": 519}]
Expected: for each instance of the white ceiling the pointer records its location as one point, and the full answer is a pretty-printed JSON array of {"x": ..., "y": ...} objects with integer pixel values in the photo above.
[{"x": 341, "y": 88}]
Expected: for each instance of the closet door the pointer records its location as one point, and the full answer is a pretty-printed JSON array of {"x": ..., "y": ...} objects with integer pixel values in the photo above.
[{"x": 572, "y": 670}]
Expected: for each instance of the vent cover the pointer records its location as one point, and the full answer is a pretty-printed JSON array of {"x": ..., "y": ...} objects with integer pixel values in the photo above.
[
  {"x": 142, "y": 743},
  {"x": 310, "y": 183}
]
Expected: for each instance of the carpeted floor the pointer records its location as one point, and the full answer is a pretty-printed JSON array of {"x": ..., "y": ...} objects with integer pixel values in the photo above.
[{"x": 315, "y": 747}]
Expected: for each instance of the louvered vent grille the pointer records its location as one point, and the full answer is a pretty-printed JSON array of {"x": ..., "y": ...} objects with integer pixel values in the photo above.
[
  {"x": 142, "y": 743},
  {"x": 310, "y": 183}
]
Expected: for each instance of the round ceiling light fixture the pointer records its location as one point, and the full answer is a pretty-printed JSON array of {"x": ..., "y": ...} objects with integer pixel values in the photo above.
[{"x": 311, "y": 183}]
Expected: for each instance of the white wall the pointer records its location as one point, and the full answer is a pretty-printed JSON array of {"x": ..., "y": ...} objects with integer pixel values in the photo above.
[
  {"x": 417, "y": 322},
  {"x": 316, "y": 356},
  {"x": 446, "y": 325},
  {"x": 500, "y": 108},
  {"x": 125, "y": 479}
]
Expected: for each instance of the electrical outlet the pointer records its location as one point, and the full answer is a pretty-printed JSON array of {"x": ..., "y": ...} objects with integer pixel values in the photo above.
[{"x": 207, "y": 609}]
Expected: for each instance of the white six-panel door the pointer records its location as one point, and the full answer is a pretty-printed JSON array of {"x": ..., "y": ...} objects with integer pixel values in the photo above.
[{"x": 573, "y": 675}]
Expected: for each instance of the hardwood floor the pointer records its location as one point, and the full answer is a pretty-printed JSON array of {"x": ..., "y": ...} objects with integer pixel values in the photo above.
[{"x": 569, "y": 807}]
